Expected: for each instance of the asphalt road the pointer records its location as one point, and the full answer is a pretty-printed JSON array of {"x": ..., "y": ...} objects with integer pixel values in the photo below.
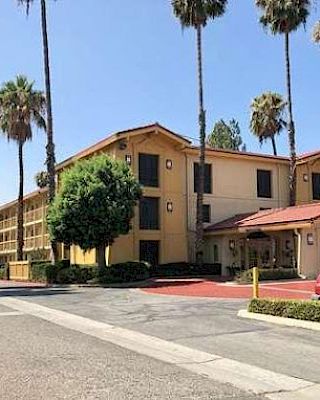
[{"x": 40, "y": 360}]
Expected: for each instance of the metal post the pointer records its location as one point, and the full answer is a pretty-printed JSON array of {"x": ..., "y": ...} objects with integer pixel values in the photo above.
[{"x": 255, "y": 276}]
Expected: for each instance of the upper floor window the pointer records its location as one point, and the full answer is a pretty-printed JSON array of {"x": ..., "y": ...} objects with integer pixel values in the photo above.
[
  {"x": 149, "y": 213},
  {"x": 206, "y": 213},
  {"x": 149, "y": 170},
  {"x": 316, "y": 186},
  {"x": 207, "y": 177},
  {"x": 264, "y": 184}
]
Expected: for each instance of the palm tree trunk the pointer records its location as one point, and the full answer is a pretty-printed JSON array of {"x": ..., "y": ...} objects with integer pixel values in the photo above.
[
  {"x": 274, "y": 146},
  {"x": 202, "y": 125},
  {"x": 20, "y": 241},
  {"x": 291, "y": 128},
  {"x": 50, "y": 144}
]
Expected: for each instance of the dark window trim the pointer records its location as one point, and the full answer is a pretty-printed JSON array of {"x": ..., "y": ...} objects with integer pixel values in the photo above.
[
  {"x": 261, "y": 193},
  {"x": 153, "y": 225},
  {"x": 208, "y": 207},
  {"x": 145, "y": 179},
  {"x": 315, "y": 186},
  {"x": 207, "y": 182}
]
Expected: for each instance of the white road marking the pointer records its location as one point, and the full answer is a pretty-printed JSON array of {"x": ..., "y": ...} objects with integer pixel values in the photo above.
[
  {"x": 10, "y": 313},
  {"x": 224, "y": 370}
]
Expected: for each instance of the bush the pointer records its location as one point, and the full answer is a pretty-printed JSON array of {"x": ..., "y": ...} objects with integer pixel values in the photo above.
[
  {"x": 4, "y": 271},
  {"x": 304, "y": 310},
  {"x": 268, "y": 274},
  {"x": 62, "y": 272},
  {"x": 185, "y": 269},
  {"x": 125, "y": 272}
]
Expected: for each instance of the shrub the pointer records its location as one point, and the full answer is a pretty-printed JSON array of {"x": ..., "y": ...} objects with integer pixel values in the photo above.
[
  {"x": 62, "y": 272},
  {"x": 267, "y": 274},
  {"x": 4, "y": 271},
  {"x": 185, "y": 269},
  {"x": 304, "y": 310},
  {"x": 125, "y": 272}
]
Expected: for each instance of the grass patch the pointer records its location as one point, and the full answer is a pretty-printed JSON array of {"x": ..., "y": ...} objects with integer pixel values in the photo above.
[{"x": 306, "y": 310}]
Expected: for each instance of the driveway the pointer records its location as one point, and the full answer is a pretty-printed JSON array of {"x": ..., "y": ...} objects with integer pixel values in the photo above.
[
  {"x": 298, "y": 289},
  {"x": 206, "y": 324}
]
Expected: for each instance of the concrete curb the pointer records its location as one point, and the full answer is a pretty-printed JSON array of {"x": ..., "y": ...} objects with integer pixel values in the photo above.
[{"x": 296, "y": 323}]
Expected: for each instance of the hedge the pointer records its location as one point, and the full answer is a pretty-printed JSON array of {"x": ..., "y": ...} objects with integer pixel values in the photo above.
[
  {"x": 185, "y": 269},
  {"x": 268, "y": 274},
  {"x": 62, "y": 272},
  {"x": 125, "y": 272},
  {"x": 307, "y": 310},
  {"x": 4, "y": 271}
]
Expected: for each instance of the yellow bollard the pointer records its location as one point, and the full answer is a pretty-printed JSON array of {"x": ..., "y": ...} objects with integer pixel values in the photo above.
[{"x": 255, "y": 276}]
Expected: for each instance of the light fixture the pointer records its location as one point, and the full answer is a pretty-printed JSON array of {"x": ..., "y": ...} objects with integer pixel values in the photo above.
[
  {"x": 305, "y": 177},
  {"x": 128, "y": 159},
  {"x": 310, "y": 239},
  {"x": 232, "y": 244},
  {"x": 169, "y": 164},
  {"x": 169, "y": 206}
]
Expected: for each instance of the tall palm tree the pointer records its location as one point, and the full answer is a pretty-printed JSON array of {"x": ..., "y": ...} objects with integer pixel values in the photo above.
[
  {"x": 316, "y": 32},
  {"x": 50, "y": 148},
  {"x": 196, "y": 13},
  {"x": 267, "y": 117},
  {"x": 285, "y": 17},
  {"x": 21, "y": 107}
]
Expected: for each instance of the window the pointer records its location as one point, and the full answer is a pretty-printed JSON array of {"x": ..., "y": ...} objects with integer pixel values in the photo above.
[
  {"x": 215, "y": 253},
  {"x": 264, "y": 184},
  {"x": 149, "y": 170},
  {"x": 149, "y": 213},
  {"x": 316, "y": 186},
  {"x": 149, "y": 251},
  {"x": 207, "y": 177},
  {"x": 206, "y": 213}
]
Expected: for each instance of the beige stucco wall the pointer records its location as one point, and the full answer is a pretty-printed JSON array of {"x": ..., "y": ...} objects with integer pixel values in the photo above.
[
  {"x": 304, "y": 187},
  {"x": 310, "y": 256},
  {"x": 234, "y": 187},
  {"x": 172, "y": 188}
]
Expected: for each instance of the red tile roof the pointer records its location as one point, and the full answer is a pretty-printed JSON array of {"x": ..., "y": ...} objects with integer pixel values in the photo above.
[{"x": 275, "y": 216}]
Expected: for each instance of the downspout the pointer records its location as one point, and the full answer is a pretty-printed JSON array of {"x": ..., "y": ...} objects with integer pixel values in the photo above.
[
  {"x": 298, "y": 235},
  {"x": 187, "y": 207}
]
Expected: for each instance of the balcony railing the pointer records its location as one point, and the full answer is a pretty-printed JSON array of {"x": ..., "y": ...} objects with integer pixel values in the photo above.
[
  {"x": 29, "y": 217},
  {"x": 30, "y": 243}
]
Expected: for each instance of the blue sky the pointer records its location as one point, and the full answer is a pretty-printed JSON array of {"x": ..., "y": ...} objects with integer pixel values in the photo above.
[{"x": 120, "y": 64}]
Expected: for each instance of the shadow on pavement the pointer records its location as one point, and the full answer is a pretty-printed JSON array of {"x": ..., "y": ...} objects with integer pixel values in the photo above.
[{"x": 32, "y": 292}]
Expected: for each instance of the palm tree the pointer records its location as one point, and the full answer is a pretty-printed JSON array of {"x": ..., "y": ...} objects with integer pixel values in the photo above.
[
  {"x": 316, "y": 32},
  {"x": 196, "y": 13},
  {"x": 21, "y": 107},
  {"x": 267, "y": 117},
  {"x": 50, "y": 148},
  {"x": 285, "y": 17}
]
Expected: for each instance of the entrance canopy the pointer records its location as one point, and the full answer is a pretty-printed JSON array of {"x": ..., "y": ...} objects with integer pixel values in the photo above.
[{"x": 276, "y": 219}]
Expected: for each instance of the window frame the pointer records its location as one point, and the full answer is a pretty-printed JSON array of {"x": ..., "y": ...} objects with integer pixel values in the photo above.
[
  {"x": 264, "y": 195},
  {"x": 143, "y": 178},
  {"x": 208, "y": 207},
  {"x": 207, "y": 189},
  {"x": 149, "y": 225},
  {"x": 315, "y": 196}
]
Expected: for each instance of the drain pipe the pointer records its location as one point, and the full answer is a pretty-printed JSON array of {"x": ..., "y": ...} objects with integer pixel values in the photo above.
[{"x": 298, "y": 235}]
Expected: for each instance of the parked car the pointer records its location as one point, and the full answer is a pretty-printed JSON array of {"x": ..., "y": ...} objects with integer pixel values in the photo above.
[{"x": 316, "y": 296}]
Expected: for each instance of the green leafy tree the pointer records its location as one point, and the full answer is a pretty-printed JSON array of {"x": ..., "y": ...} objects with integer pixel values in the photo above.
[
  {"x": 95, "y": 205},
  {"x": 267, "y": 117},
  {"x": 196, "y": 14},
  {"x": 50, "y": 148},
  {"x": 284, "y": 17},
  {"x": 226, "y": 136},
  {"x": 21, "y": 106}
]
